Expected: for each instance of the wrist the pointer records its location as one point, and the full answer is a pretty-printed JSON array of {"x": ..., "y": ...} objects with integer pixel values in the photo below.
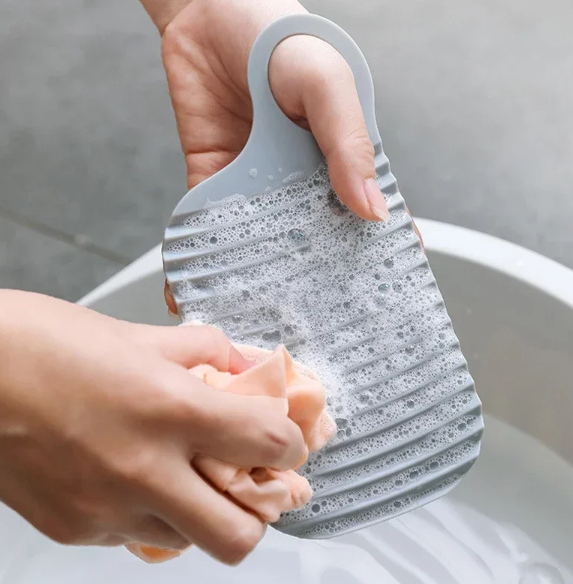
[{"x": 162, "y": 12}]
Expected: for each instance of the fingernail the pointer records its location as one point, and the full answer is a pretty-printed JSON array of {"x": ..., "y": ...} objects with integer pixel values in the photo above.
[
  {"x": 172, "y": 316},
  {"x": 376, "y": 199}
]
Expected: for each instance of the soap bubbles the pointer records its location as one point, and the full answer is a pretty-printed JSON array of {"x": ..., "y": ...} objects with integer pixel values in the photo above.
[{"x": 356, "y": 302}]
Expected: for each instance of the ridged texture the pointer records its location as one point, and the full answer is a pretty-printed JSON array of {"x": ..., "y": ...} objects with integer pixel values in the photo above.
[{"x": 358, "y": 303}]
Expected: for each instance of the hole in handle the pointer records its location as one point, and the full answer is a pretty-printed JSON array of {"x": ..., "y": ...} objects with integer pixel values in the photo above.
[{"x": 264, "y": 103}]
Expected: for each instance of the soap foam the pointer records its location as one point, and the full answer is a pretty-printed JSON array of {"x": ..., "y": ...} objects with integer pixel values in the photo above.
[{"x": 356, "y": 301}]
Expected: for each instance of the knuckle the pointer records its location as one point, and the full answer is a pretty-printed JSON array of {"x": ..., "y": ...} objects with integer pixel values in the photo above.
[
  {"x": 275, "y": 454},
  {"x": 276, "y": 442},
  {"x": 242, "y": 540},
  {"x": 282, "y": 443},
  {"x": 215, "y": 347},
  {"x": 185, "y": 411},
  {"x": 66, "y": 533},
  {"x": 154, "y": 531},
  {"x": 357, "y": 140}
]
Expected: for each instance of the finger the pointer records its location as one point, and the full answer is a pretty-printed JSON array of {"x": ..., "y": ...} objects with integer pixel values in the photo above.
[
  {"x": 171, "y": 306},
  {"x": 310, "y": 79},
  {"x": 112, "y": 541},
  {"x": 204, "y": 345},
  {"x": 247, "y": 431},
  {"x": 193, "y": 345},
  {"x": 153, "y": 531},
  {"x": 206, "y": 517},
  {"x": 416, "y": 230}
]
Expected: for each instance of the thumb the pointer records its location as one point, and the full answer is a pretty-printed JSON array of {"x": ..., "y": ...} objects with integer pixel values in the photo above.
[
  {"x": 192, "y": 345},
  {"x": 310, "y": 79}
]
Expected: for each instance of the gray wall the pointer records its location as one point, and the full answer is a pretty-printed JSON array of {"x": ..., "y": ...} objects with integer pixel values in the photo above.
[{"x": 475, "y": 105}]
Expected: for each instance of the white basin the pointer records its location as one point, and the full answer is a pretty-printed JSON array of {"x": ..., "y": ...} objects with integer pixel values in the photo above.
[{"x": 513, "y": 312}]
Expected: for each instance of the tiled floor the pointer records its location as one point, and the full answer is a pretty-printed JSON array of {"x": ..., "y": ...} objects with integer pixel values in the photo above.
[{"x": 474, "y": 105}]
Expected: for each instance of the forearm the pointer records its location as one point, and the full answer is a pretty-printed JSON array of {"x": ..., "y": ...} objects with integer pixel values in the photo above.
[{"x": 162, "y": 12}]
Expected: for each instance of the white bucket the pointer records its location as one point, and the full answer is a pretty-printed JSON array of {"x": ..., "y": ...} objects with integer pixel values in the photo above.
[{"x": 513, "y": 312}]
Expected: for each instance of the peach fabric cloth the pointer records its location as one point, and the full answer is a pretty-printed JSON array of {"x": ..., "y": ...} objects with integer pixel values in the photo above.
[{"x": 265, "y": 492}]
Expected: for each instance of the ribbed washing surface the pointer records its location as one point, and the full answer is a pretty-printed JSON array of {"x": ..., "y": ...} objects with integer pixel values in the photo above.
[{"x": 357, "y": 302}]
